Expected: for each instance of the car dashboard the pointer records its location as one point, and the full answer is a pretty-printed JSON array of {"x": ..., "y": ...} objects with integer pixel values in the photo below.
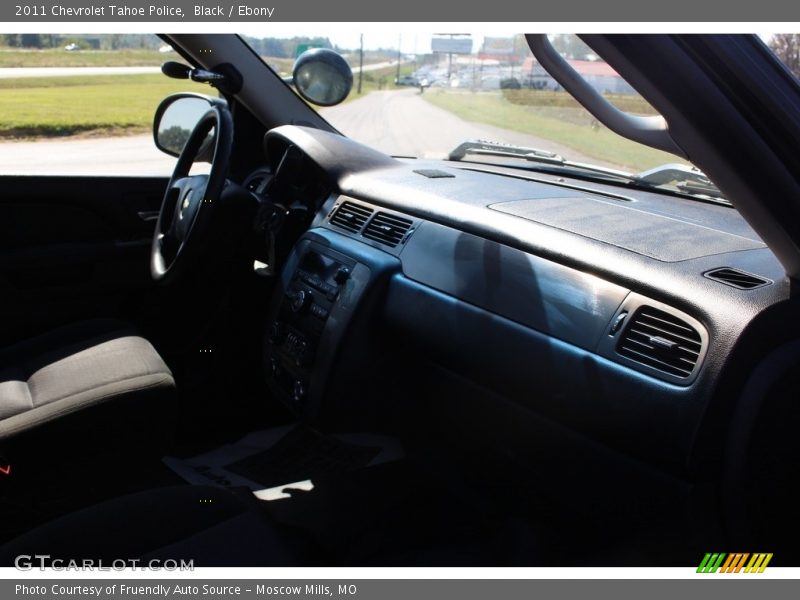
[{"x": 585, "y": 329}]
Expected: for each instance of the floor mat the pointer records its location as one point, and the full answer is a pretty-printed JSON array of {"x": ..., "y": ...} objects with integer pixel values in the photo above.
[{"x": 273, "y": 460}]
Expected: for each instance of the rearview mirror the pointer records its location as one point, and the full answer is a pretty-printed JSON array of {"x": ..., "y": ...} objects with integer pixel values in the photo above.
[
  {"x": 175, "y": 120},
  {"x": 322, "y": 76}
]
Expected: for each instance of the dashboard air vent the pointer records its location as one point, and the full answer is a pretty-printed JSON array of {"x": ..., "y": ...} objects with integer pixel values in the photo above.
[
  {"x": 387, "y": 229},
  {"x": 662, "y": 341},
  {"x": 351, "y": 216},
  {"x": 736, "y": 278}
]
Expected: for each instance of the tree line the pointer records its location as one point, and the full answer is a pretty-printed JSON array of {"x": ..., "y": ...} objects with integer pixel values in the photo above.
[{"x": 787, "y": 47}]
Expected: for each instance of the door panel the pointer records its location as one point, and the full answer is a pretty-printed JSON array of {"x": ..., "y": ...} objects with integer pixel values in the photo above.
[{"x": 72, "y": 248}]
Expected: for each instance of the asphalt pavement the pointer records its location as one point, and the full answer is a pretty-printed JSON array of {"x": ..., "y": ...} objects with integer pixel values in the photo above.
[
  {"x": 404, "y": 123},
  {"x": 25, "y": 72},
  {"x": 128, "y": 155}
]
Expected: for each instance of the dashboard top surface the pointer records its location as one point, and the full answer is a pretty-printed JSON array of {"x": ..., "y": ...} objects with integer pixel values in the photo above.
[{"x": 652, "y": 243}]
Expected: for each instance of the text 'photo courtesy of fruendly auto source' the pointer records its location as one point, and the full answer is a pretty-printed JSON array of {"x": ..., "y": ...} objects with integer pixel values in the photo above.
[{"x": 494, "y": 303}]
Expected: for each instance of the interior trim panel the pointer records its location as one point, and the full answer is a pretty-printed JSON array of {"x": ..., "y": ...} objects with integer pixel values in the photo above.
[{"x": 562, "y": 302}]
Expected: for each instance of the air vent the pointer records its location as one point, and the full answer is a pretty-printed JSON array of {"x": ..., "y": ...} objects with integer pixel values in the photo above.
[
  {"x": 351, "y": 216},
  {"x": 736, "y": 278},
  {"x": 387, "y": 229},
  {"x": 662, "y": 341}
]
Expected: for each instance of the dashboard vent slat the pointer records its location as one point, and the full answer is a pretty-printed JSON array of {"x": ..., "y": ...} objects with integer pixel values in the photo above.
[
  {"x": 736, "y": 278},
  {"x": 351, "y": 216},
  {"x": 387, "y": 229},
  {"x": 661, "y": 341}
]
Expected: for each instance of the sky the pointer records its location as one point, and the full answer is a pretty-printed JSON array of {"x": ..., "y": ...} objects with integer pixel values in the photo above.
[{"x": 415, "y": 38}]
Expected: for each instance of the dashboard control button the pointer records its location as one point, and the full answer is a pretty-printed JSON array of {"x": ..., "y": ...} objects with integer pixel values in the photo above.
[
  {"x": 275, "y": 367},
  {"x": 330, "y": 291},
  {"x": 298, "y": 391},
  {"x": 342, "y": 275},
  {"x": 277, "y": 333},
  {"x": 615, "y": 327},
  {"x": 305, "y": 355},
  {"x": 319, "y": 311}
]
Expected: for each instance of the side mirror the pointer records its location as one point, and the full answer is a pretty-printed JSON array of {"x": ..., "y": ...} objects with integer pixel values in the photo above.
[
  {"x": 322, "y": 76},
  {"x": 175, "y": 120}
]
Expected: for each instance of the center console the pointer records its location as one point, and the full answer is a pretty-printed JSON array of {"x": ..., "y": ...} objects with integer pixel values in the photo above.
[
  {"x": 295, "y": 334},
  {"x": 322, "y": 288}
]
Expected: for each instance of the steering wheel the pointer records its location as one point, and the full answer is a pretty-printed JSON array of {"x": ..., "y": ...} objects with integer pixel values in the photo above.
[{"x": 189, "y": 201}]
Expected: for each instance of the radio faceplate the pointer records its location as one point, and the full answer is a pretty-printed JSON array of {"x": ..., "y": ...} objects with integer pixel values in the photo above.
[{"x": 304, "y": 311}]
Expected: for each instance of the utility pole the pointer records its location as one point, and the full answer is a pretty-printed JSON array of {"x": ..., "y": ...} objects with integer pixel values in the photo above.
[
  {"x": 473, "y": 74},
  {"x": 415, "y": 54},
  {"x": 360, "y": 63},
  {"x": 448, "y": 49},
  {"x": 399, "y": 44}
]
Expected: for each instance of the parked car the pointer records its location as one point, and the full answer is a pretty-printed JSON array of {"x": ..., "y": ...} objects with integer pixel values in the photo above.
[
  {"x": 510, "y": 83},
  {"x": 506, "y": 356},
  {"x": 407, "y": 80}
]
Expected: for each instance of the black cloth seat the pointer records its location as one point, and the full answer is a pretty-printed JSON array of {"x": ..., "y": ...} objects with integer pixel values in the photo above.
[
  {"x": 84, "y": 384},
  {"x": 211, "y": 526}
]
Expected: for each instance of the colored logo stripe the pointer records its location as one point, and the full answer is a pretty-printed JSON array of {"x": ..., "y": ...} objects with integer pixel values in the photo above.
[
  {"x": 710, "y": 562},
  {"x": 733, "y": 563},
  {"x": 758, "y": 563}
]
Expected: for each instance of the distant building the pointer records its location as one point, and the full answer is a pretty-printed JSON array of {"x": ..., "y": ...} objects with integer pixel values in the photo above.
[
  {"x": 597, "y": 73},
  {"x": 498, "y": 49}
]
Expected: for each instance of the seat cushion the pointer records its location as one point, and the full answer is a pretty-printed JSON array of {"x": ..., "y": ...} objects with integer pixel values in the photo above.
[
  {"x": 73, "y": 369},
  {"x": 211, "y": 526}
]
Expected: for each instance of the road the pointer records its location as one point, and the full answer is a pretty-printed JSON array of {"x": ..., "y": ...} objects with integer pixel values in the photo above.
[
  {"x": 376, "y": 66},
  {"x": 25, "y": 72},
  {"x": 129, "y": 155},
  {"x": 403, "y": 123},
  {"x": 396, "y": 122}
]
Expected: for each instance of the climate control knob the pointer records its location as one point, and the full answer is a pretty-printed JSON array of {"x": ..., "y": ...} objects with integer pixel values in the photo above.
[{"x": 299, "y": 300}]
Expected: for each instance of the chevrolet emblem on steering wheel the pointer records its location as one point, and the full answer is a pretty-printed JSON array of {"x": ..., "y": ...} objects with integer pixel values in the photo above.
[{"x": 186, "y": 202}]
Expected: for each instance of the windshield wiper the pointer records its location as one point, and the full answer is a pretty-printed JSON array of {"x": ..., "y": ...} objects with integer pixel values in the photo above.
[
  {"x": 688, "y": 180},
  {"x": 487, "y": 148},
  {"x": 673, "y": 177}
]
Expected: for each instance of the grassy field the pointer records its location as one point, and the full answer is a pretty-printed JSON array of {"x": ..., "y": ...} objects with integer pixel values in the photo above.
[
  {"x": 551, "y": 99},
  {"x": 105, "y": 105},
  {"x": 61, "y": 106},
  {"x": 282, "y": 66},
  {"x": 563, "y": 121},
  {"x": 57, "y": 57}
]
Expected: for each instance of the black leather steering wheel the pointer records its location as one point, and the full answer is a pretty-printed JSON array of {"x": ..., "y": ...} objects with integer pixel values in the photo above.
[{"x": 189, "y": 201}]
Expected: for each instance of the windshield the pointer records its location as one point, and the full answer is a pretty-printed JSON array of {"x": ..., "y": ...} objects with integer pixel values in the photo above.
[
  {"x": 84, "y": 103},
  {"x": 482, "y": 96},
  {"x": 424, "y": 95}
]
